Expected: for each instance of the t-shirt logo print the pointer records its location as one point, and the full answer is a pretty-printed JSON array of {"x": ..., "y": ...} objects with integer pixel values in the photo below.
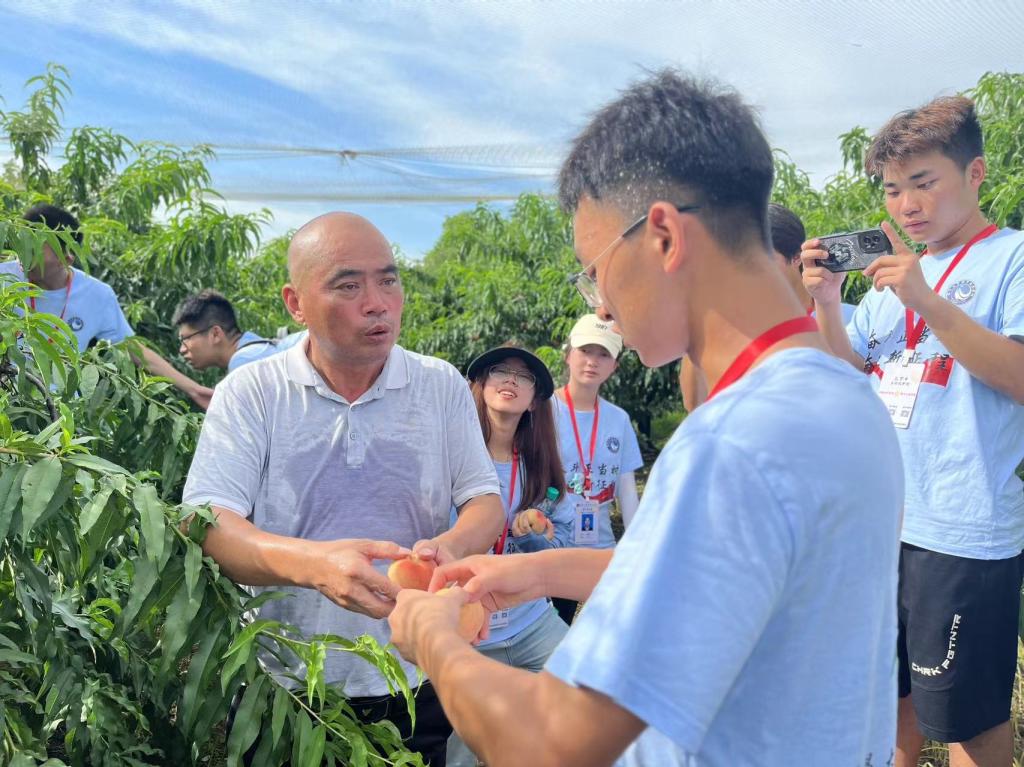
[
  {"x": 613, "y": 444},
  {"x": 961, "y": 292},
  {"x": 76, "y": 323}
]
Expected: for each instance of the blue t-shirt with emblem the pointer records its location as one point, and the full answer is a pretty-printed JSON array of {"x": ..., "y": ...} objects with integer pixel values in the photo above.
[
  {"x": 90, "y": 308},
  {"x": 616, "y": 451},
  {"x": 965, "y": 439}
]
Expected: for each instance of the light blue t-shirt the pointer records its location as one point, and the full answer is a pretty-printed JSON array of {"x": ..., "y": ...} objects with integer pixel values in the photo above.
[
  {"x": 252, "y": 347},
  {"x": 90, "y": 309},
  {"x": 748, "y": 615},
  {"x": 525, "y": 615},
  {"x": 615, "y": 452},
  {"x": 965, "y": 439}
]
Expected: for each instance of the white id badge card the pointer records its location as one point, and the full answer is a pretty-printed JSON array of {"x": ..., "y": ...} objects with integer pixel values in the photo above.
[
  {"x": 499, "y": 620},
  {"x": 584, "y": 529},
  {"x": 901, "y": 380}
]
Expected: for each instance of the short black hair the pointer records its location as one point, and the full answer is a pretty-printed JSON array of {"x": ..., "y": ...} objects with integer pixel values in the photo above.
[
  {"x": 54, "y": 218},
  {"x": 206, "y": 309},
  {"x": 788, "y": 232},
  {"x": 673, "y": 138}
]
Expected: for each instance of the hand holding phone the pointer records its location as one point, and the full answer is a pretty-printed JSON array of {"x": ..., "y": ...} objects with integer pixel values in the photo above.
[{"x": 853, "y": 251}]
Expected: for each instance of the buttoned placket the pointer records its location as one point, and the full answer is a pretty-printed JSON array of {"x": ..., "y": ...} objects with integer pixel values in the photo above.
[{"x": 355, "y": 431}]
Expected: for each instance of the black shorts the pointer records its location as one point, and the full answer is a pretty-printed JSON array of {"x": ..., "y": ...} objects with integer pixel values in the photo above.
[{"x": 957, "y": 644}]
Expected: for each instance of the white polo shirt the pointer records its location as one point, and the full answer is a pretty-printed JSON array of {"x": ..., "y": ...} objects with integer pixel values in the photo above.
[{"x": 282, "y": 449}]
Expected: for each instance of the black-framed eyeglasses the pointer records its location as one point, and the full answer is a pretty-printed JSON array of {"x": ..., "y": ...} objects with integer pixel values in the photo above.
[
  {"x": 185, "y": 339},
  {"x": 520, "y": 377},
  {"x": 587, "y": 285}
]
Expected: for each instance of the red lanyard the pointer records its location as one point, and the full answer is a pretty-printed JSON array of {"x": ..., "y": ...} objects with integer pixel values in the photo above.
[
  {"x": 67, "y": 296},
  {"x": 914, "y": 332},
  {"x": 759, "y": 346},
  {"x": 576, "y": 432},
  {"x": 499, "y": 547}
]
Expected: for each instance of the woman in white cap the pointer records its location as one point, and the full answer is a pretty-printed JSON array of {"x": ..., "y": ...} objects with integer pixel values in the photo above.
[
  {"x": 511, "y": 387},
  {"x": 597, "y": 442}
]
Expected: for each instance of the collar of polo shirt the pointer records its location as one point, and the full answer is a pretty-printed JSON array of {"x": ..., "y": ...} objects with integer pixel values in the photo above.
[{"x": 395, "y": 374}]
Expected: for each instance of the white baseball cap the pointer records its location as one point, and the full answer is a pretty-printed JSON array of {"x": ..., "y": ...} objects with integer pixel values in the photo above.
[{"x": 591, "y": 329}]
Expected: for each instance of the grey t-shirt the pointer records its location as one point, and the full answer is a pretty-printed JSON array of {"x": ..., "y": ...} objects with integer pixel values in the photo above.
[{"x": 282, "y": 449}]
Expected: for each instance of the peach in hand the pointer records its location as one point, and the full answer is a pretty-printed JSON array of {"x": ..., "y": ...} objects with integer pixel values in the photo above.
[
  {"x": 471, "y": 618},
  {"x": 539, "y": 523},
  {"x": 412, "y": 572}
]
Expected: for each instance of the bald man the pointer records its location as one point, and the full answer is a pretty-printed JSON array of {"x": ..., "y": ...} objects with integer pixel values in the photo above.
[{"x": 326, "y": 461}]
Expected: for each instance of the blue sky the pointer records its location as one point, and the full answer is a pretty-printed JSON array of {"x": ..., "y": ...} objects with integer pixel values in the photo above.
[{"x": 487, "y": 94}]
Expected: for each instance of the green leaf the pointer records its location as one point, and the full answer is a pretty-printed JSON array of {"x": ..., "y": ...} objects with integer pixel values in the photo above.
[
  {"x": 87, "y": 383},
  {"x": 19, "y": 658},
  {"x": 202, "y": 665},
  {"x": 146, "y": 575},
  {"x": 193, "y": 566},
  {"x": 37, "y": 488},
  {"x": 95, "y": 463},
  {"x": 315, "y": 659},
  {"x": 301, "y": 736},
  {"x": 313, "y": 749},
  {"x": 282, "y": 711},
  {"x": 152, "y": 521},
  {"x": 246, "y": 726},
  {"x": 178, "y": 624},
  {"x": 92, "y": 512},
  {"x": 10, "y": 494},
  {"x": 238, "y": 655}
]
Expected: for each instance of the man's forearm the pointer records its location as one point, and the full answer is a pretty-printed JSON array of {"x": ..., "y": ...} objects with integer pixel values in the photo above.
[
  {"x": 158, "y": 366},
  {"x": 993, "y": 359},
  {"x": 252, "y": 557},
  {"x": 831, "y": 325},
  {"x": 477, "y": 528}
]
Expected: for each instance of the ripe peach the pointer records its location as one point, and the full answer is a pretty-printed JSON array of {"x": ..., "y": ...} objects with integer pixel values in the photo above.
[
  {"x": 412, "y": 572},
  {"x": 539, "y": 523},
  {"x": 471, "y": 618}
]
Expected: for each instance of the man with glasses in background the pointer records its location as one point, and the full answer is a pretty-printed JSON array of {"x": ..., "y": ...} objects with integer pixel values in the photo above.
[{"x": 210, "y": 337}]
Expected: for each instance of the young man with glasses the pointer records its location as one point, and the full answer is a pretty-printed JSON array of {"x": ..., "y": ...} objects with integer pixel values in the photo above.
[
  {"x": 210, "y": 336},
  {"x": 746, "y": 617}
]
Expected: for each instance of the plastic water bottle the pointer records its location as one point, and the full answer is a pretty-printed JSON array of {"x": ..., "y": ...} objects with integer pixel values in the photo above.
[{"x": 547, "y": 506}]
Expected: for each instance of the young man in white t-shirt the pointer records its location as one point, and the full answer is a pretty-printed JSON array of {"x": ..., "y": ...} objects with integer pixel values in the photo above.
[
  {"x": 86, "y": 304},
  {"x": 747, "y": 615},
  {"x": 942, "y": 338}
]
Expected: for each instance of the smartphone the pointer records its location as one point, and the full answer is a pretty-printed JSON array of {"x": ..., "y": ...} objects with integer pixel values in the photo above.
[{"x": 853, "y": 251}]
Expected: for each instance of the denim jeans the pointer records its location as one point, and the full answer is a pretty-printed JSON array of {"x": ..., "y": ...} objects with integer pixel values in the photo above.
[{"x": 529, "y": 649}]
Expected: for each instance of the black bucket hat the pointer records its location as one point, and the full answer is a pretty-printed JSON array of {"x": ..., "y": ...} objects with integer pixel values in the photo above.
[{"x": 545, "y": 383}]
